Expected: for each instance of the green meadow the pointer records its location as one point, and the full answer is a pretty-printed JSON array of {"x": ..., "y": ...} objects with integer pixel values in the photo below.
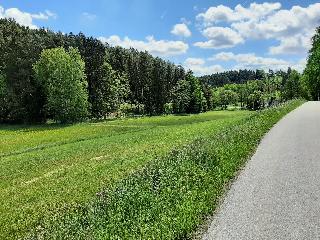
[
  {"x": 48, "y": 167},
  {"x": 172, "y": 195}
]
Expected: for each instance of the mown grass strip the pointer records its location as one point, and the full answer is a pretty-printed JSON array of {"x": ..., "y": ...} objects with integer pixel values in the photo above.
[
  {"x": 56, "y": 144},
  {"x": 170, "y": 197}
]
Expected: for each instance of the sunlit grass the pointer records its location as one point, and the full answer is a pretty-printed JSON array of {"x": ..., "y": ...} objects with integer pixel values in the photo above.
[
  {"x": 45, "y": 167},
  {"x": 171, "y": 195}
]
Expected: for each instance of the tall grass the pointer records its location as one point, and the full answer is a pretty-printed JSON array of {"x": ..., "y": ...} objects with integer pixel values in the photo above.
[{"x": 169, "y": 197}]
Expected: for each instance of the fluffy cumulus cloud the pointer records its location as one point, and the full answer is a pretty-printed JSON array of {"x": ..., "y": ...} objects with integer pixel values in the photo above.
[
  {"x": 197, "y": 65},
  {"x": 251, "y": 61},
  {"x": 292, "y": 27},
  {"x": 223, "y": 13},
  {"x": 216, "y": 14},
  {"x": 219, "y": 37},
  {"x": 292, "y": 45},
  {"x": 181, "y": 29},
  {"x": 283, "y": 23},
  {"x": 153, "y": 46},
  {"x": 25, "y": 18},
  {"x": 194, "y": 61}
]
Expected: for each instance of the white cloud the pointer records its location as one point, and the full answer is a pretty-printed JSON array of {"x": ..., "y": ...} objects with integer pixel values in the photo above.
[
  {"x": 298, "y": 44},
  {"x": 156, "y": 47},
  {"x": 206, "y": 70},
  {"x": 292, "y": 27},
  {"x": 283, "y": 23},
  {"x": 25, "y": 18},
  {"x": 89, "y": 16},
  {"x": 194, "y": 61},
  {"x": 198, "y": 67},
  {"x": 44, "y": 16},
  {"x": 216, "y": 14},
  {"x": 256, "y": 10},
  {"x": 40, "y": 16},
  {"x": 252, "y": 61},
  {"x": 219, "y": 37},
  {"x": 51, "y": 14},
  {"x": 181, "y": 29},
  {"x": 223, "y": 13},
  {"x": 21, "y": 17}
]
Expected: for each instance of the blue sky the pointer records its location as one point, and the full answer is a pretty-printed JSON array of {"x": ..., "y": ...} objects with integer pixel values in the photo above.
[{"x": 205, "y": 36}]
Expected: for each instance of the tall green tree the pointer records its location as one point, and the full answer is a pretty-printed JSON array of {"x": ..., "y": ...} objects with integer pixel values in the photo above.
[
  {"x": 208, "y": 98},
  {"x": 19, "y": 49},
  {"x": 61, "y": 75},
  {"x": 182, "y": 96},
  {"x": 293, "y": 86},
  {"x": 271, "y": 87},
  {"x": 3, "y": 98},
  {"x": 112, "y": 91},
  {"x": 255, "y": 100},
  {"x": 224, "y": 97},
  {"x": 93, "y": 53},
  {"x": 312, "y": 70},
  {"x": 158, "y": 84},
  {"x": 151, "y": 80},
  {"x": 144, "y": 80},
  {"x": 197, "y": 96}
]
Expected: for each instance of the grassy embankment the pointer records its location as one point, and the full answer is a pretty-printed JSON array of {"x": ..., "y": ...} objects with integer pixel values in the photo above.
[
  {"x": 45, "y": 167},
  {"x": 171, "y": 195}
]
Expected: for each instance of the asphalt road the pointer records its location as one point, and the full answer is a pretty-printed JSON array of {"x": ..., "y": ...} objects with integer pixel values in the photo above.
[{"x": 277, "y": 195}]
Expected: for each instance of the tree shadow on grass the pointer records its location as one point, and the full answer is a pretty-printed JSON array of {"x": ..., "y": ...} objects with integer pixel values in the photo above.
[{"x": 33, "y": 127}]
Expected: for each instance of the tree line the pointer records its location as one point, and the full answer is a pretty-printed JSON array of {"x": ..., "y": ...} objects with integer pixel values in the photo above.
[
  {"x": 232, "y": 76},
  {"x": 257, "y": 89},
  {"x": 67, "y": 77},
  {"x": 271, "y": 89}
]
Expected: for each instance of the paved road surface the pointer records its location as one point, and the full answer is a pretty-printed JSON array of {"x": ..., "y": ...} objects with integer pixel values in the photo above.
[{"x": 277, "y": 196}]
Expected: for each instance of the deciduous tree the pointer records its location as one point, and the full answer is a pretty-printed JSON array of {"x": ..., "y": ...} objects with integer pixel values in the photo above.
[{"x": 61, "y": 75}]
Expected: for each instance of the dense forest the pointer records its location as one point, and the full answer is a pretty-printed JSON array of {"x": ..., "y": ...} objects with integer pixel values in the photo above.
[
  {"x": 233, "y": 76},
  {"x": 114, "y": 78},
  {"x": 67, "y": 77}
]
